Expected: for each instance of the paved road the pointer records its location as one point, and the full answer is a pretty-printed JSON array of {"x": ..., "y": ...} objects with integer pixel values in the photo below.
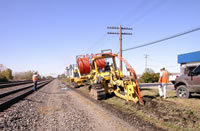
[{"x": 155, "y": 86}]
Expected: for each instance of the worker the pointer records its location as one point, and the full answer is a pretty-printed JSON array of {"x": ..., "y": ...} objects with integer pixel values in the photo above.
[
  {"x": 107, "y": 67},
  {"x": 35, "y": 79},
  {"x": 76, "y": 73},
  {"x": 163, "y": 81}
]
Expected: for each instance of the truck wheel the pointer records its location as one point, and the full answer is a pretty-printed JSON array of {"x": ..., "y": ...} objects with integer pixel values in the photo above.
[{"x": 182, "y": 92}]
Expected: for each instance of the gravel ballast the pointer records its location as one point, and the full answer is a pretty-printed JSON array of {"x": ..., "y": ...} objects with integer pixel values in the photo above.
[{"x": 57, "y": 107}]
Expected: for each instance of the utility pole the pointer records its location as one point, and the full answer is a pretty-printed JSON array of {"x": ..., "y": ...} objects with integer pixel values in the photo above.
[
  {"x": 146, "y": 57},
  {"x": 71, "y": 69},
  {"x": 120, "y": 33}
]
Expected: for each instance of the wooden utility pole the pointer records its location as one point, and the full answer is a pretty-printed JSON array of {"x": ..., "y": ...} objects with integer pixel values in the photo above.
[
  {"x": 146, "y": 56},
  {"x": 120, "y": 33},
  {"x": 120, "y": 40}
]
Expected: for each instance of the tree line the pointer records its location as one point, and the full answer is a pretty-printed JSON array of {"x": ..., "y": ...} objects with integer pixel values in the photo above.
[{"x": 7, "y": 75}]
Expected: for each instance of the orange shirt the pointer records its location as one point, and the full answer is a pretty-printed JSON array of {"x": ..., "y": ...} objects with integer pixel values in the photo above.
[
  {"x": 164, "y": 78},
  {"x": 34, "y": 78}
]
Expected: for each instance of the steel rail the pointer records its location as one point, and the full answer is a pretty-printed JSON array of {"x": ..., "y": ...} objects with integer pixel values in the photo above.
[{"x": 5, "y": 85}]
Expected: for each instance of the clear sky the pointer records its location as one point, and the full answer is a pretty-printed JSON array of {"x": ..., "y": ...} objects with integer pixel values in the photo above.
[{"x": 46, "y": 35}]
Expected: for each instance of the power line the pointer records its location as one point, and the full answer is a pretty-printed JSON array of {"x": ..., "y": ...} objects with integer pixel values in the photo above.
[
  {"x": 147, "y": 12},
  {"x": 141, "y": 5},
  {"x": 164, "y": 39},
  {"x": 133, "y": 11}
]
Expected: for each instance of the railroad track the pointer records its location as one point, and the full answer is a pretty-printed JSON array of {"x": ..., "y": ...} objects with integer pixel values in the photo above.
[
  {"x": 6, "y": 82},
  {"x": 11, "y": 95},
  {"x": 10, "y": 84}
]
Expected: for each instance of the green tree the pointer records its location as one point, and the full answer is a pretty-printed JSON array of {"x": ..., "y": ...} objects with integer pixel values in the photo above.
[{"x": 149, "y": 76}]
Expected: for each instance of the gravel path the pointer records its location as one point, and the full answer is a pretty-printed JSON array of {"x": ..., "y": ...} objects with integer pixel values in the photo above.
[{"x": 57, "y": 107}]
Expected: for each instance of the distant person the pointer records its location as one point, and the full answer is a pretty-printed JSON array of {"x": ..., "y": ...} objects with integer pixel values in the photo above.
[
  {"x": 35, "y": 79},
  {"x": 163, "y": 80}
]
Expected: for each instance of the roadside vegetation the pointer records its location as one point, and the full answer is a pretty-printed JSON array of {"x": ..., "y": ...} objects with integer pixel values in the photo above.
[
  {"x": 149, "y": 76},
  {"x": 64, "y": 78},
  {"x": 27, "y": 75},
  {"x": 171, "y": 114},
  {"x": 6, "y": 75},
  {"x": 23, "y": 75}
]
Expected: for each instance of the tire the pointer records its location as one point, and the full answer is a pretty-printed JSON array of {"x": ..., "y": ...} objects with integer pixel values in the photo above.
[{"x": 182, "y": 92}]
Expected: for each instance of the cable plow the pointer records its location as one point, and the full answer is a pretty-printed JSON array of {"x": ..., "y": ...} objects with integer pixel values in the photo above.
[{"x": 105, "y": 78}]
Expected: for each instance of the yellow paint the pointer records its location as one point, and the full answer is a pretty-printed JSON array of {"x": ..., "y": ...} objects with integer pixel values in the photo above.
[{"x": 112, "y": 80}]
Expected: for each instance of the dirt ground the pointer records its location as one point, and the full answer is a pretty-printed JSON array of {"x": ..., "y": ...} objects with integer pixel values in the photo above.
[
  {"x": 171, "y": 113},
  {"x": 158, "y": 114},
  {"x": 57, "y": 107}
]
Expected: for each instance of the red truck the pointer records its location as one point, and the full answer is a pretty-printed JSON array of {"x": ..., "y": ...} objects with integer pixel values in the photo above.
[{"x": 188, "y": 82}]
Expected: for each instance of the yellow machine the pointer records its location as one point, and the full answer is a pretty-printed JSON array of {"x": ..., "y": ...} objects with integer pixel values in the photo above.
[
  {"x": 107, "y": 79},
  {"x": 78, "y": 80}
]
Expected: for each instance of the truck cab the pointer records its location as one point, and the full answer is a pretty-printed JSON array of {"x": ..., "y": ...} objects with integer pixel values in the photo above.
[
  {"x": 188, "y": 83},
  {"x": 189, "y": 80}
]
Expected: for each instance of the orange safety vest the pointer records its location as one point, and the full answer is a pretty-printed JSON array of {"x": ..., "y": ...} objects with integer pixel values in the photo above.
[
  {"x": 165, "y": 77},
  {"x": 34, "y": 78}
]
